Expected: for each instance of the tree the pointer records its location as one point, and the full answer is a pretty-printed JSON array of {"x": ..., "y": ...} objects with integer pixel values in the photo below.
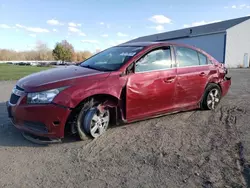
[
  {"x": 63, "y": 51},
  {"x": 81, "y": 56},
  {"x": 43, "y": 52},
  {"x": 74, "y": 57}
]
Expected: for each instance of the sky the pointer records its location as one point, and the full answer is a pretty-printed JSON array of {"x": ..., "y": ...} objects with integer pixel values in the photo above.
[{"x": 99, "y": 24}]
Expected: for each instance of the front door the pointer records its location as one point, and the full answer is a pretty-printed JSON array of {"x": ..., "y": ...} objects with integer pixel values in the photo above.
[{"x": 151, "y": 88}]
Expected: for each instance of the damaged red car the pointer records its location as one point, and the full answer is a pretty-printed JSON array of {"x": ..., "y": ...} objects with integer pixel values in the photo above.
[{"x": 122, "y": 84}]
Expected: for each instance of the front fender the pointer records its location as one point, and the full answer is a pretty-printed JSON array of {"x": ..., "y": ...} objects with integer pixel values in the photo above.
[{"x": 71, "y": 97}]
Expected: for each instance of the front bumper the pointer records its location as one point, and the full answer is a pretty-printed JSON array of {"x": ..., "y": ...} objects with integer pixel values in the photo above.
[{"x": 45, "y": 120}]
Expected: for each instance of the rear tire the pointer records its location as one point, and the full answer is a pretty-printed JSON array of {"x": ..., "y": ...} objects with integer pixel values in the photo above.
[{"x": 211, "y": 97}]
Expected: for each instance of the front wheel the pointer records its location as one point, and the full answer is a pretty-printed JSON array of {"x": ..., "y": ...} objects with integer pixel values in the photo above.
[
  {"x": 93, "y": 120},
  {"x": 96, "y": 122},
  {"x": 212, "y": 97}
]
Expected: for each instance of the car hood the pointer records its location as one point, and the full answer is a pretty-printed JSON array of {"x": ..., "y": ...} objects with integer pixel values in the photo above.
[{"x": 58, "y": 77}]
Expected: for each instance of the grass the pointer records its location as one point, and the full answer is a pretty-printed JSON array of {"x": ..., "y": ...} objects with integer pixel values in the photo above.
[{"x": 15, "y": 72}]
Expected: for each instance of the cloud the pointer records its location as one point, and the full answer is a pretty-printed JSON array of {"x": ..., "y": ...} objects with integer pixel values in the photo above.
[
  {"x": 242, "y": 6},
  {"x": 32, "y": 35},
  {"x": 132, "y": 38},
  {"x": 54, "y": 22},
  {"x": 73, "y": 29},
  {"x": 90, "y": 41},
  {"x": 160, "y": 19},
  {"x": 104, "y": 35},
  {"x": 194, "y": 24},
  {"x": 76, "y": 30},
  {"x": 117, "y": 42},
  {"x": 121, "y": 41},
  {"x": 82, "y": 34},
  {"x": 18, "y": 25},
  {"x": 104, "y": 24},
  {"x": 4, "y": 26},
  {"x": 158, "y": 28},
  {"x": 72, "y": 24},
  {"x": 33, "y": 29},
  {"x": 120, "y": 34},
  {"x": 55, "y": 30}
]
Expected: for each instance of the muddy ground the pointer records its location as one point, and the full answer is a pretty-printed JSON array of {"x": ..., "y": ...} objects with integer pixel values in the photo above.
[{"x": 191, "y": 149}]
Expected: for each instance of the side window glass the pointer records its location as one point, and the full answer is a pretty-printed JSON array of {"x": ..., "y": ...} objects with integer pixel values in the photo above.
[
  {"x": 203, "y": 59},
  {"x": 155, "y": 60},
  {"x": 210, "y": 62},
  {"x": 186, "y": 57}
]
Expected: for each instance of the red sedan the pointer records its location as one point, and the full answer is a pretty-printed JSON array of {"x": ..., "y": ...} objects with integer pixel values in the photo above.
[{"x": 122, "y": 84}]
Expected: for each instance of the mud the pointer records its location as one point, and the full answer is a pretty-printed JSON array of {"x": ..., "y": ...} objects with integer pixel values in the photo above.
[{"x": 192, "y": 149}]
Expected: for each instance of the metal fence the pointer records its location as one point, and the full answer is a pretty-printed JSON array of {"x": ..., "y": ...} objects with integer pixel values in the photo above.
[{"x": 37, "y": 63}]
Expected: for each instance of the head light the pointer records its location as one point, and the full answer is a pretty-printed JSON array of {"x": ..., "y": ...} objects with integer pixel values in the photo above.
[{"x": 43, "y": 97}]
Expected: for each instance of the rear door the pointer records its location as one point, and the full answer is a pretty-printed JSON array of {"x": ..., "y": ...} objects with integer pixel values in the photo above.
[
  {"x": 151, "y": 88},
  {"x": 192, "y": 75}
]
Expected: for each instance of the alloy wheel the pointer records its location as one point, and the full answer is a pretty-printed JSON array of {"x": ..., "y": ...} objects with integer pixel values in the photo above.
[
  {"x": 213, "y": 98},
  {"x": 99, "y": 123}
]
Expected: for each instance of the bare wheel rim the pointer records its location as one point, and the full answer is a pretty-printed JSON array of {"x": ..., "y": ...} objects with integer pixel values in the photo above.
[
  {"x": 99, "y": 123},
  {"x": 213, "y": 98}
]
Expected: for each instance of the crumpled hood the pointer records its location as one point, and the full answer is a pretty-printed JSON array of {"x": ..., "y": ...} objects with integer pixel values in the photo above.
[{"x": 58, "y": 77}]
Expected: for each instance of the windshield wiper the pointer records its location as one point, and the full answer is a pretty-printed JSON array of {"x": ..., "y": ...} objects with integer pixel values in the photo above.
[
  {"x": 95, "y": 68},
  {"x": 106, "y": 69}
]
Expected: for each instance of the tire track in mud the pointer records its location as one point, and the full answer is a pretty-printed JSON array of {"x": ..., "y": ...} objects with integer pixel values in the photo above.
[
  {"x": 229, "y": 117},
  {"x": 218, "y": 154}
]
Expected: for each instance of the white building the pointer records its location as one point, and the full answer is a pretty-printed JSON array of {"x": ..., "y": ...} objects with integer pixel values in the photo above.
[{"x": 227, "y": 41}]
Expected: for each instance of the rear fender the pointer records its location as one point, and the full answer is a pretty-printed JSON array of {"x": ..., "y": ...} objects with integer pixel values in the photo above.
[{"x": 225, "y": 85}]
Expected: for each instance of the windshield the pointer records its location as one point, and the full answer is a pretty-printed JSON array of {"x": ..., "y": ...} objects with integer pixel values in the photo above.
[{"x": 111, "y": 59}]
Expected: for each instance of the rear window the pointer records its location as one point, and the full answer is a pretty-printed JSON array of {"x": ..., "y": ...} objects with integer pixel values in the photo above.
[
  {"x": 186, "y": 57},
  {"x": 203, "y": 59}
]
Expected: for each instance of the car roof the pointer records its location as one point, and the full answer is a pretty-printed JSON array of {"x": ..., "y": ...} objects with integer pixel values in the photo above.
[
  {"x": 144, "y": 44},
  {"x": 148, "y": 44},
  {"x": 140, "y": 44}
]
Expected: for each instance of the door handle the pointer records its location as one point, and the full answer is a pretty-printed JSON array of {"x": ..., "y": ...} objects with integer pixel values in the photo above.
[
  {"x": 169, "y": 79},
  {"x": 202, "y": 74}
]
